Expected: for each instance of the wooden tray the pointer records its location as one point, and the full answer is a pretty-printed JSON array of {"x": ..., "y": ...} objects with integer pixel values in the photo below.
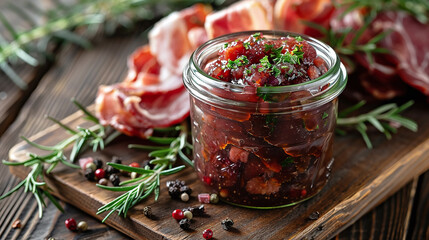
[{"x": 361, "y": 179}]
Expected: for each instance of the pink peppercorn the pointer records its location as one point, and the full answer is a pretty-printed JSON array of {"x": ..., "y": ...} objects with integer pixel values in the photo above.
[
  {"x": 208, "y": 234},
  {"x": 71, "y": 224},
  {"x": 204, "y": 198}
]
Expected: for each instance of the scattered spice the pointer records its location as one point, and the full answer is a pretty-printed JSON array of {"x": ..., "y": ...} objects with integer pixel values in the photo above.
[
  {"x": 134, "y": 175},
  {"x": 89, "y": 174},
  {"x": 134, "y": 164},
  {"x": 204, "y": 198},
  {"x": 214, "y": 198},
  {"x": 91, "y": 165},
  {"x": 184, "y": 197},
  {"x": 100, "y": 173},
  {"x": 98, "y": 163},
  {"x": 82, "y": 226},
  {"x": 70, "y": 224},
  {"x": 103, "y": 182},
  {"x": 207, "y": 234},
  {"x": 227, "y": 224},
  {"x": 178, "y": 214},
  {"x": 185, "y": 224},
  {"x": 177, "y": 188},
  {"x": 147, "y": 211},
  {"x": 188, "y": 214},
  {"x": 314, "y": 216},
  {"x": 16, "y": 224},
  {"x": 114, "y": 179},
  {"x": 196, "y": 211}
]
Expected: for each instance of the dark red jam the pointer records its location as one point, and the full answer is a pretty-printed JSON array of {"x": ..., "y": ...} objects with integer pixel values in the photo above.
[
  {"x": 265, "y": 62},
  {"x": 264, "y": 157}
]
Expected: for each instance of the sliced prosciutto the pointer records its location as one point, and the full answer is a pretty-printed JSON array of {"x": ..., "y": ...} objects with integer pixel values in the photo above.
[
  {"x": 241, "y": 16},
  {"x": 408, "y": 47},
  {"x": 290, "y": 15},
  {"x": 169, "y": 39},
  {"x": 144, "y": 100}
]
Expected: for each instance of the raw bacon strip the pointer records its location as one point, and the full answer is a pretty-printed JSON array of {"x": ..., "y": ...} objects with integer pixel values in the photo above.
[{"x": 241, "y": 16}]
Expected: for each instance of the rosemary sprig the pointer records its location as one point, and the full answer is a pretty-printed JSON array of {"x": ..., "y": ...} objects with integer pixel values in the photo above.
[
  {"x": 149, "y": 182},
  {"x": 94, "y": 137},
  {"x": 62, "y": 19},
  {"x": 385, "y": 119}
]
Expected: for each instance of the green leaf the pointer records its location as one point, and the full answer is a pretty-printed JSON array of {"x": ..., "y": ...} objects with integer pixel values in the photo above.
[
  {"x": 172, "y": 170},
  {"x": 12, "y": 190},
  {"x": 13, "y": 76},
  {"x": 161, "y": 140},
  {"x": 146, "y": 147},
  {"x": 73, "y": 38},
  {"x": 160, "y": 153},
  {"x": 71, "y": 131},
  {"x": 129, "y": 169},
  {"x": 53, "y": 200},
  {"x": 116, "y": 189},
  {"x": 90, "y": 116},
  {"x": 185, "y": 158},
  {"x": 351, "y": 109},
  {"x": 410, "y": 124}
]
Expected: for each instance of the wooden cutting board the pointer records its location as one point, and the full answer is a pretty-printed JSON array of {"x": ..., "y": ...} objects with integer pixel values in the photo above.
[{"x": 360, "y": 179}]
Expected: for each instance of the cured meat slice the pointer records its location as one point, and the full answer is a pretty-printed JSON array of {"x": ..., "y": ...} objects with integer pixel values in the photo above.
[
  {"x": 241, "y": 16},
  {"x": 290, "y": 14},
  {"x": 149, "y": 97},
  {"x": 169, "y": 41}
]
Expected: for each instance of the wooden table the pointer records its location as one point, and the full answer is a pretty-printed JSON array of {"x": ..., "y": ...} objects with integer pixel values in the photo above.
[{"x": 77, "y": 73}]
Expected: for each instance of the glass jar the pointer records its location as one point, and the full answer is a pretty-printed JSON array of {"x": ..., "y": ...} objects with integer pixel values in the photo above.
[{"x": 264, "y": 147}]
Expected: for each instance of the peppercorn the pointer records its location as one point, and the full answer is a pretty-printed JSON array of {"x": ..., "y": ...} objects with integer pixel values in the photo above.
[
  {"x": 134, "y": 164},
  {"x": 98, "y": 162},
  {"x": 214, "y": 198},
  {"x": 197, "y": 211},
  {"x": 103, "y": 182},
  {"x": 188, "y": 214},
  {"x": 111, "y": 170},
  {"x": 174, "y": 192},
  {"x": 99, "y": 173},
  {"x": 116, "y": 159},
  {"x": 178, "y": 214},
  {"x": 134, "y": 175},
  {"x": 70, "y": 224},
  {"x": 82, "y": 226},
  {"x": 186, "y": 189},
  {"x": 314, "y": 216},
  {"x": 184, "y": 197},
  {"x": 185, "y": 224},
  {"x": 147, "y": 211},
  {"x": 91, "y": 165},
  {"x": 207, "y": 234},
  {"x": 89, "y": 174},
  {"x": 227, "y": 224},
  {"x": 204, "y": 198},
  {"x": 114, "y": 179}
]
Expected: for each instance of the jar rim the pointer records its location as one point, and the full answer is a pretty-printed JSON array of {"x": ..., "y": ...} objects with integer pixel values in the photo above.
[{"x": 335, "y": 77}]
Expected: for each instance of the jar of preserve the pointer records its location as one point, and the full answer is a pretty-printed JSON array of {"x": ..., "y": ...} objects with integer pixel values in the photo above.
[{"x": 263, "y": 114}]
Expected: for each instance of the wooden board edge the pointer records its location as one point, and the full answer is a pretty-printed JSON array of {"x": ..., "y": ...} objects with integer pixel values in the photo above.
[{"x": 330, "y": 223}]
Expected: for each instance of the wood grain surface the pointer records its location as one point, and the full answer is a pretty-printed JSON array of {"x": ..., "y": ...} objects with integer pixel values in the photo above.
[
  {"x": 361, "y": 179},
  {"x": 106, "y": 63}
]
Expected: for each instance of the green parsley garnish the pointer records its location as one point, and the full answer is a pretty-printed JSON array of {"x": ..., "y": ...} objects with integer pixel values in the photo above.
[
  {"x": 268, "y": 47},
  {"x": 240, "y": 61},
  {"x": 299, "y": 39},
  {"x": 325, "y": 115},
  {"x": 246, "y": 45}
]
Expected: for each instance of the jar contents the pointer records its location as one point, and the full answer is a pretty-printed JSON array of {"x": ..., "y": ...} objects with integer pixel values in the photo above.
[{"x": 264, "y": 156}]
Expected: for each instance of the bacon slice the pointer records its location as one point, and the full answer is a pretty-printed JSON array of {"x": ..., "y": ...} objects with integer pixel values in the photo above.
[{"x": 241, "y": 16}]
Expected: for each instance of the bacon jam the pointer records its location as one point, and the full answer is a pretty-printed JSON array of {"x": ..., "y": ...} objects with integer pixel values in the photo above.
[{"x": 268, "y": 141}]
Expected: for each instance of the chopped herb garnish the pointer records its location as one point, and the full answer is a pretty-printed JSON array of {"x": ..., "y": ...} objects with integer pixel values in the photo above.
[
  {"x": 268, "y": 47},
  {"x": 225, "y": 45},
  {"x": 299, "y": 39},
  {"x": 246, "y": 45},
  {"x": 276, "y": 71},
  {"x": 240, "y": 61},
  {"x": 256, "y": 35}
]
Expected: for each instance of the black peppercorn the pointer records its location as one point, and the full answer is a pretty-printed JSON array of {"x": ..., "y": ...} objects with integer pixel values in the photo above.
[
  {"x": 185, "y": 189},
  {"x": 227, "y": 224},
  {"x": 98, "y": 162},
  {"x": 114, "y": 179},
  {"x": 90, "y": 174},
  {"x": 111, "y": 170},
  {"x": 147, "y": 211},
  {"x": 185, "y": 223},
  {"x": 174, "y": 192},
  {"x": 197, "y": 211}
]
